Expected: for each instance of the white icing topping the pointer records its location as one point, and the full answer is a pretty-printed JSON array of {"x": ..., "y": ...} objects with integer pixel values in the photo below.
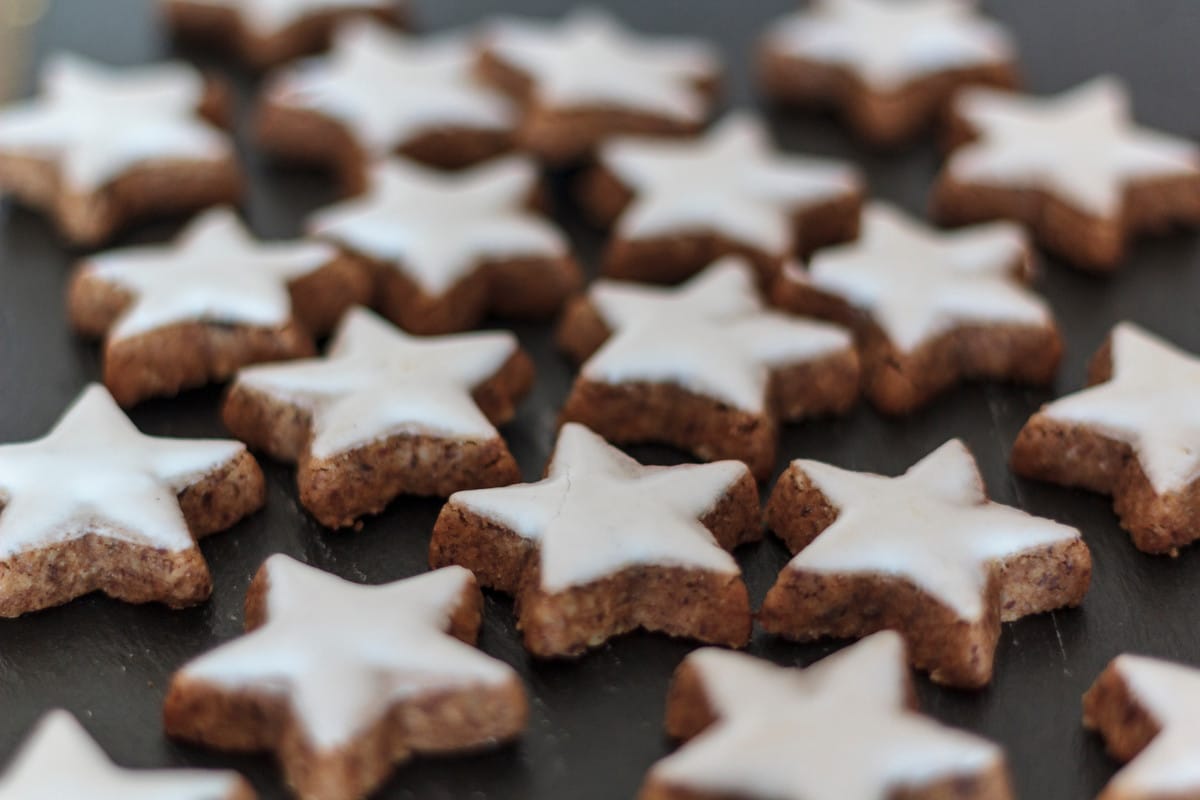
[
  {"x": 711, "y": 336},
  {"x": 933, "y": 526},
  {"x": 438, "y": 227},
  {"x": 888, "y": 43},
  {"x": 589, "y": 60},
  {"x": 214, "y": 273},
  {"x": 918, "y": 283},
  {"x": 389, "y": 89},
  {"x": 839, "y": 729},
  {"x": 97, "y": 122},
  {"x": 376, "y": 381},
  {"x": 59, "y": 760},
  {"x": 94, "y": 473},
  {"x": 730, "y": 182},
  {"x": 598, "y": 512},
  {"x": 1080, "y": 145},
  {"x": 1168, "y": 766},
  {"x": 344, "y": 654},
  {"x": 1150, "y": 404},
  {"x": 269, "y": 17}
]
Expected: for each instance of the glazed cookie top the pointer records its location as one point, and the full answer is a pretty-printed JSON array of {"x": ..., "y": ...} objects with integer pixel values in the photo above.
[
  {"x": 389, "y": 88},
  {"x": 598, "y": 512},
  {"x": 97, "y": 122},
  {"x": 375, "y": 381},
  {"x": 933, "y": 526},
  {"x": 917, "y": 283},
  {"x": 712, "y": 335},
  {"x": 1150, "y": 403},
  {"x": 268, "y": 17},
  {"x": 887, "y": 44},
  {"x": 589, "y": 60},
  {"x": 59, "y": 760},
  {"x": 1171, "y": 694},
  {"x": 342, "y": 653},
  {"x": 839, "y": 729},
  {"x": 1080, "y": 145},
  {"x": 731, "y": 181},
  {"x": 215, "y": 272},
  {"x": 437, "y": 227},
  {"x": 95, "y": 474}
]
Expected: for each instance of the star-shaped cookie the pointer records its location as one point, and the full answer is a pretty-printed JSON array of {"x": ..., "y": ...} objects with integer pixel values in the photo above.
[
  {"x": 925, "y": 554},
  {"x": 1133, "y": 434},
  {"x": 380, "y": 92},
  {"x": 587, "y": 77},
  {"x": 846, "y": 727},
  {"x": 101, "y": 146},
  {"x": 604, "y": 545},
  {"x": 704, "y": 366},
  {"x": 384, "y": 414},
  {"x": 677, "y": 205},
  {"x": 94, "y": 505},
  {"x": 930, "y": 308},
  {"x": 449, "y": 248},
  {"x": 343, "y": 682},
  {"x": 59, "y": 760},
  {"x": 1073, "y": 167},
  {"x": 267, "y": 32},
  {"x": 888, "y": 66},
  {"x": 1147, "y": 711},
  {"x": 195, "y": 311}
]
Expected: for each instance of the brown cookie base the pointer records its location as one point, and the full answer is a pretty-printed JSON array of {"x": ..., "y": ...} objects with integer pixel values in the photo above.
[
  {"x": 900, "y": 382},
  {"x": 308, "y": 137},
  {"x": 804, "y": 605},
  {"x": 430, "y": 723},
  {"x": 340, "y": 489},
  {"x": 167, "y": 360},
  {"x": 160, "y": 188},
  {"x": 564, "y": 136},
  {"x": 51, "y": 576},
  {"x": 690, "y": 713},
  {"x": 1076, "y": 455},
  {"x": 675, "y": 258},
  {"x": 1086, "y": 241},
  {"x": 222, "y": 28},
  {"x": 881, "y": 119},
  {"x": 1127, "y": 727},
  {"x": 696, "y": 604}
]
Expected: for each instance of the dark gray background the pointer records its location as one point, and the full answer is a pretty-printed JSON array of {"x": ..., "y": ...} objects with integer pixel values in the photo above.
[{"x": 596, "y": 722}]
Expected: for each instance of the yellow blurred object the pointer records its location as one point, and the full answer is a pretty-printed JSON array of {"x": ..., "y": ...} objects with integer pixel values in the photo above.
[{"x": 17, "y": 18}]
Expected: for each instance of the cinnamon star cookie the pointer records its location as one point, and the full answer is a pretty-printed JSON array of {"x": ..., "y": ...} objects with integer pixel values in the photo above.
[
  {"x": 343, "y": 682},
  {"x": 604, "y": 545},
  {"x": 926, "y": 554}
]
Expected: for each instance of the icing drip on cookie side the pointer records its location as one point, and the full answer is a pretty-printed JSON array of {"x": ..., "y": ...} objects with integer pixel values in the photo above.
[
  {"x": 95, "y": 473},
  {"x": 388, "y": 88},
  {"x": 711, "y": 336},
  {"x": 918, "y": 283},
  {"x": 342, "y": 654},
  {"x": 731, "y": 182},
  {"x": 887, "y": 44},
  {"x": 1150, "y": 403},
  {"x": 1080, "y": 145},
  {"x": 214, "y": 273},
  {"x": 375, "y": 381},
  {"x": 933, "y": 526},
  {"x": 589, "y": 60},
  {"x": 98, "y": 122},
  {"x": 59, "y": 760},
  {"x": 437, "y": 228},
  {"x": 598, "y": 512},
  {"x": 836, "y": 730}
]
